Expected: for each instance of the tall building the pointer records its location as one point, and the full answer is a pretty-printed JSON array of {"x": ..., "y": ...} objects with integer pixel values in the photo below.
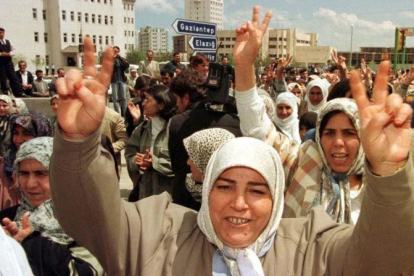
[
  {"x": 155, "y": 39},
  {"x": 205, "y": 10},
  {"x": 51, "y": 31}
]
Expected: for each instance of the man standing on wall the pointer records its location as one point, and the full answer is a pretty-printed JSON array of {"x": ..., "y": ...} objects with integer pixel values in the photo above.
[
  {"x": 7, "y": 67},
  {"x": 118, "y": 82}
]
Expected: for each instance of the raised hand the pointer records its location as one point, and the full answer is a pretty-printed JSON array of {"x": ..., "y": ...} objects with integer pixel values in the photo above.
[
  {"x": 249, "y": 38},
  {"x": 82, "y": 98},
  {"x": 385, "y": 124},
  {"x": 135, "y": 111},
  {"x": 281, "y": 65},
  {"x": 14, "y": 231}
]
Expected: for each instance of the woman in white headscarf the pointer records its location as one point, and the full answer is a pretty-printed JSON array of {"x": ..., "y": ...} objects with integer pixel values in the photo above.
[
  {"x": 316, "y": 94},
  {"x": 286, "y": 119}
]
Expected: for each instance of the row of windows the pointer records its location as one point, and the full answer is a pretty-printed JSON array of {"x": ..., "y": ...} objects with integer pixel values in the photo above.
[
  {"x": 95, "y": 39},
  {"x": 279, "y": 46},
  {"x": 129, "y": 46},
  {"x": 128, "y": 7},
  {"x": 129, "y": 33},
  {"x": 129, "y": 20},
  {"x": 99, "y": 1},
  {"x": 277, "y": 38},
  {"x": 227, "y": 39},
  {"x": 44, "y": 13},
  {"x": 46, "y": 59},
  {"x": 93, "y": 18}
]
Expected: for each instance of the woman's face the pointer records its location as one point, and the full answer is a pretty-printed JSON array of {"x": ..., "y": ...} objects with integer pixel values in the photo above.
[
  {"x": 34, "y": 181},
  {"x": 202, "y": 68},
  {"x": 315, "y": 95},
  {"x": 195, "y": 173},
  {"x": 297, "y": 92},
  {"x": 283, "y": 111},
  {"x": 240, "y": 206},
  {"x": 21, "y": 135},
  {"x": 151, "y": 107},
  {"x": 340, "y": 142},
  {"x": 54, "y": 105},
  {"x": 4, "y": 108},
  {"x": 302, "y": 131}
]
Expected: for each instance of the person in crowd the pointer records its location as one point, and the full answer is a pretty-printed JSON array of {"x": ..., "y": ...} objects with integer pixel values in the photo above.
[
  {"x": 32, "y": 223},
  {"x": 25, "y": 78},
  {"x": 287, "y": 116},
  {"x": 118, "y": 81},
  {"x": 146, "y": 151},
  {"x": 54, "y": 103},
  {"x": 7, "y": 51},
  {"x": 200, "y": 146},
  {"x": 225, "y": 60},
  {"x": 53, "y": 69},
  {"x": 175, "y": 64},
  {"x": 200, "y": 63},
  {"x": 19, "y": 106},
  {"x": 132, "y": 78},
  {"x": 268, "y": 103},
  {"x": 41, "y": 88},
  {"x": 307, "y": 122},
  {"x": 13, "y": 260},
  {"x": 6, "y": 111},
  {"x": 134, "y": 109},
  {"x": 166, "y": 77},
  {"x": 23, "y": 127},
  {"x": 316, "y": 95},
  {"x": 149, "y": 66},
  {"x": 239, "y": 230},
  {"x": 297, "y": 90},
  {"x": 52, "y": 85},
  {"x": 190, "y": 92},
  {"x": 113, "y": 126}
]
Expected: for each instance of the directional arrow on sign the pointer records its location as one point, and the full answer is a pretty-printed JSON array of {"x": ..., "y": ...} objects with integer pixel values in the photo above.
[
  {"x": 189, "y": 27},
  {"x": 199, "y": 43}
]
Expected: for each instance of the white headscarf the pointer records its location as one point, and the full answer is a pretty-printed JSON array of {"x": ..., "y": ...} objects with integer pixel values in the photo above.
[
  {"x": 261, "y": 157},
  {"x": 324, "y": 88},
  {"x": 290, "y": 125}
]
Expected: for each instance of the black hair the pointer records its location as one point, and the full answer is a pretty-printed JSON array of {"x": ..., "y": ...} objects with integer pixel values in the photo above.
[
  {"x": 175, "y": 53},
  {"x": 308, "y": 120},
  {"x": 162, "y": 95},
  {"x": 2, "y": 30},
  {"x": 198, "y": 59},
  {"x": 326, "y": 119},
  {"x": 191, "y": 83},
  {"x": 142, "y": 83},
  {"x": 167, "y": 72},
  {"x": 38, "y": 71},
  {"x": 339, "y": 90}
]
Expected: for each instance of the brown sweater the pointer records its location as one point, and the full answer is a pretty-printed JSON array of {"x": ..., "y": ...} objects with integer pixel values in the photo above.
[{"x": 156, "y": 237}]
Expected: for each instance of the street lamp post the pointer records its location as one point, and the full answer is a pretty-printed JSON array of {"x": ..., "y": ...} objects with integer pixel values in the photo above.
[{"x": 352, "y": 34}]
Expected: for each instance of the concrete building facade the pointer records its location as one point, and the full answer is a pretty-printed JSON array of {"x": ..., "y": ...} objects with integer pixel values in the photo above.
[
  {"x": 155, "y": 39},
  {"x": 378, "y": 54},
  {"x": 51, "y": 31},
  {"x": 205, "y": 10}
]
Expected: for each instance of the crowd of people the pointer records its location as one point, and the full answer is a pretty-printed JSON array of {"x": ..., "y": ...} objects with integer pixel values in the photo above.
[{"x": 303, "y": 171}]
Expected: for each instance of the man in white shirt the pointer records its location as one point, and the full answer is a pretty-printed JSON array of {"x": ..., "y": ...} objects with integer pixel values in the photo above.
[
  {"x": 25, "y": 78},
  {"x": 7, "y": 67}
]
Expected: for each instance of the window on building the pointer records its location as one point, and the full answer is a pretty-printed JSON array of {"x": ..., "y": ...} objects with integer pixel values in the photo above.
[
  {"x": 79, "y": 17},
  {"x": 111, "y": 19},
  {"x": 92, "y": 1},
  {"x": 47, "y": 59},
  {"x": 105, "y": 1},
  {"x": 124, "y": 7},
  {"x": 73, "y": 38},
  {"x": 106, "y": 40},
  {"x": 86, "y": 17},
  {"x": 126, "y": 47},
  {"x": 44, "y": 15},
  {"x": 132, "y": 20},
  {"x": 94, "y": 39},
  {"x": 65, "y": 37},
  {"x": 100, "y": 40},
  {"x": 63, "y": 15},
  {"x": 36, "y": 37},
  {"x": 125, "y": 20},
  {"x": 106, "y": 20},
  {"x": 34, "y": 13},
  {"x": 93, "y": 18},
  {"x": 112, "y": 41},
  {"x": 38, "y": 59},
  {"x": 45, "y": 36},
  {"x": 72, "y": 16},
  {"x": 110, "y": 2},
  {"x": 99, "y": 1},
  {"x": 80, "y": 39},
  {"x": 99, "y": 19},
  {"x": 125, "y": 33}
]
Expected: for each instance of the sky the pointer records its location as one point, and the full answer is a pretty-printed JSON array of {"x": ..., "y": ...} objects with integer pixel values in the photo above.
[{"x": 373, "y": 21}]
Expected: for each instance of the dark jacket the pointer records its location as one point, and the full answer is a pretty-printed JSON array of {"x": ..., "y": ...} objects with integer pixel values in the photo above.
[
  {"x": 195, "y": 118},
  {"x": 124, "y": 65},
  {"x": 30, "y": 80}
]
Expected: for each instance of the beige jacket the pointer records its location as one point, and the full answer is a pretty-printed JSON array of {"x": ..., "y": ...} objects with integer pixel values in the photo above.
[{"x": 155, "y": 237}]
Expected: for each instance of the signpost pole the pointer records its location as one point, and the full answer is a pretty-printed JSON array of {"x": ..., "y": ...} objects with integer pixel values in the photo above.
[{"x": 397, "y": 33}]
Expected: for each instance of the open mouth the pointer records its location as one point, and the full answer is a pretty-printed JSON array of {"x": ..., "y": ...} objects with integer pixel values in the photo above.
[
  {"x": 340, "y": 157},
  {"x": 238, "y": 221}
]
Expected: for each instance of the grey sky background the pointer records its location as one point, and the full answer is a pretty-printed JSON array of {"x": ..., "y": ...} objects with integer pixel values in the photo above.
[{"x": 374, "y": 21}]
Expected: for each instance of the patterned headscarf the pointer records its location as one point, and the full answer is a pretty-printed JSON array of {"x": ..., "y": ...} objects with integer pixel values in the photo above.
[
  {"x": 4, "y": 120},
  {"x": 21, "y": 106},
  {"x": 42, "y": 218},
  {"x": 200, "y": 146},
  {"x": 314, "y": 183},
  {"x": 259, "y": 156},
  {"x": 38, "y": 124},
  {"x": 324, "y": 88},
  {"x": 290, "y": 125}
]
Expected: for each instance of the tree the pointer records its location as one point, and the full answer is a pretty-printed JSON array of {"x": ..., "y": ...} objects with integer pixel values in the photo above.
[
  {"x": 135, "y": 56},
  {"x": 39, "y": 62},
  {"x": 166, "y": 56},
  {"x": 18, "y": 58}
]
